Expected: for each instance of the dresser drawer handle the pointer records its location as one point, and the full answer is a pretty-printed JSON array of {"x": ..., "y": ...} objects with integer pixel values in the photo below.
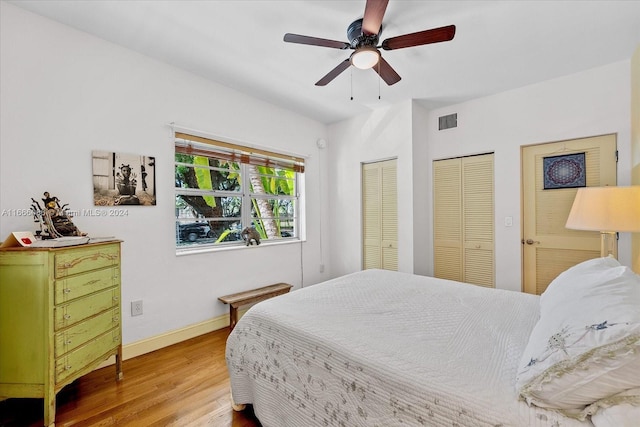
[
  {"x": 69, "y": 342},
  {"x": 116, "y": 298},
  {"x": 67, "y": 367},
  {"x": 115, "y": 320},
  {"x": 67, "y": 264},
  {"x": 67, "y": 316},
  {"x": 67, "y": 291}
]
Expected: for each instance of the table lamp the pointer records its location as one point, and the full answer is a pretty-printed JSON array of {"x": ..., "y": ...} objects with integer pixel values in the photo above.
[{"x": 607, "y": 210}]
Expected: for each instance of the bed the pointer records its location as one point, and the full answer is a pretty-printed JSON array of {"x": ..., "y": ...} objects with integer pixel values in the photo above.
[{"x": 382, "y": 348}]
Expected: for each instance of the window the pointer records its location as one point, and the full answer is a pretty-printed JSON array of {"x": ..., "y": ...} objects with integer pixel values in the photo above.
[{"x": 221, "y": 188}]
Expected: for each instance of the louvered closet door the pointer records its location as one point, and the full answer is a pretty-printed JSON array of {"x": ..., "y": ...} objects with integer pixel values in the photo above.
[
  {"x": 371, "y": 226},
  {"x": 380, "y": 215},
  {"x": 464, "y": 219},
  {"x": 389, "y": 217},
  {"x": 477, "y": 217},
  {"x": 447, "y": 219}
]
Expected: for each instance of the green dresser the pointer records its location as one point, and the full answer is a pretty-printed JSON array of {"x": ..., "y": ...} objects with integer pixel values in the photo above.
[{"x": 59, "y": 318}]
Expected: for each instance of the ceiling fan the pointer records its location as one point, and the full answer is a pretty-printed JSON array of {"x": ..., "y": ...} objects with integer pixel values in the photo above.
[{"x": 363, "y": 36}]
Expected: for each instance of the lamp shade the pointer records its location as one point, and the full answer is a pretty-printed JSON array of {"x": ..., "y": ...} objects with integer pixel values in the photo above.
[{"x": 606, "y": 209}]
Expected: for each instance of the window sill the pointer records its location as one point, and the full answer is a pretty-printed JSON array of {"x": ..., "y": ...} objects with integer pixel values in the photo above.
[{"x": 192, "y": 250}]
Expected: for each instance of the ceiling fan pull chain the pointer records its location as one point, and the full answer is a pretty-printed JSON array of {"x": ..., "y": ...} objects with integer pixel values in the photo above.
[
  {"x": 379, "y": 80},
  {"x": 351, "y": 84}
]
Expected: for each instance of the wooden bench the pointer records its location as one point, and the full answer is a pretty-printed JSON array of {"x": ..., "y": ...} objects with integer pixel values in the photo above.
[{"x": 252, "y": 296}]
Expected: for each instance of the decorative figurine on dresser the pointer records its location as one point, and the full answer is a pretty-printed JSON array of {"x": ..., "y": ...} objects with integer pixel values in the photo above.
[
  {"x": 54, "y": 219},
  {"x": 59, "y": 317}
]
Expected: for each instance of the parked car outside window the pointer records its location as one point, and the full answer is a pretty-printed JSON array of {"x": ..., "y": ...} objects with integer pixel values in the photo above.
[{"x": 194, "y": 231}]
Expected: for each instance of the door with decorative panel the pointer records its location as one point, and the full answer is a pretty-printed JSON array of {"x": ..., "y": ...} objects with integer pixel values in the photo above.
[{"x": 548, "y": 247}]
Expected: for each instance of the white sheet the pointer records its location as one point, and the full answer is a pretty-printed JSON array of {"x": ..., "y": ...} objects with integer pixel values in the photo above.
[{"x": 381, "y": 348}]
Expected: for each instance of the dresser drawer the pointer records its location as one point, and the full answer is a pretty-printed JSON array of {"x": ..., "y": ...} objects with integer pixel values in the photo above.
[
  {"x": 83, "y": 356},
  {"x": 77, "y": 335},
  {"x": 86, "y": 259},
  {"x": 83, "y": 308},
  {"x": 77, "y": 286}
]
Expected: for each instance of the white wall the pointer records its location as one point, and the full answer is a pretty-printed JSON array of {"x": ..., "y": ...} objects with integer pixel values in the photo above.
[
  {"x": 66, "y": 93},
  {"x": 422, "y": 196},
  {"x": 383, "y": 134},
  {"x": 593, "y": 102}
]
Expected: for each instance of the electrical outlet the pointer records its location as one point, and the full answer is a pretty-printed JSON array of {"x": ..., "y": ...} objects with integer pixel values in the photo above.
[{"x": 136, "y": 308}]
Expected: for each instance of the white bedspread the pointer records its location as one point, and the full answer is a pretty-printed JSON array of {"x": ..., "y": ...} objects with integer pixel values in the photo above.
[{"x": 381, "y": 348}]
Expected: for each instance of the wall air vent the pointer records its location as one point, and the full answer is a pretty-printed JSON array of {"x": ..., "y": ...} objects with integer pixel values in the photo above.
[{"x": 448, "y": 122}]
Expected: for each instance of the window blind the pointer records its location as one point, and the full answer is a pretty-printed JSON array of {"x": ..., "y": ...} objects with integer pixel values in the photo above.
[{"x": 197, "y": 145}]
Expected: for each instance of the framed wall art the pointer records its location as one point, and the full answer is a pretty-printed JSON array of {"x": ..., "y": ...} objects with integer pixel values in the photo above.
[
  {"x": 123, "y": 179},
  {"x": 565, "y": 171}
]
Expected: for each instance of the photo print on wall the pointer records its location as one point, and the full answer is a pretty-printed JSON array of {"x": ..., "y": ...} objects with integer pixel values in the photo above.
[{"x": 123, "y": 179}]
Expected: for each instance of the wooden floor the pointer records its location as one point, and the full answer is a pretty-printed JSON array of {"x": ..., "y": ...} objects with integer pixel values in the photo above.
[{"x": 182, "y": 385}]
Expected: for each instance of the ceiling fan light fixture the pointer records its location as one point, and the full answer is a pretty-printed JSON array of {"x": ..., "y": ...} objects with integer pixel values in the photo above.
[{"x": 365, "y": 58}]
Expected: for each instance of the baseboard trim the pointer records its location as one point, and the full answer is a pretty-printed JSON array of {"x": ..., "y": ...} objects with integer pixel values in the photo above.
[
  {"x": 157, "y": 342},
  {"x": 148, "y": 345}
]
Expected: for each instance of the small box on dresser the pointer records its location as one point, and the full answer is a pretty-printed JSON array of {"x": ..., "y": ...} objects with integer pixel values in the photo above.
[{"x": 59, "y": 318}]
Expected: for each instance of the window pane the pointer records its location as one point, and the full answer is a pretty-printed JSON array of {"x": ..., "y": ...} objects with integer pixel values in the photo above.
[
  {"x": 273, "y": 218},
  {"x": 211, "y": 232},
  {"x": 266, "y": 180},
  {"x": 218, "y": 214},
  {"x": 193, "y": 232},
  {"x": 228, "y": 231},
  {"x": 206, "y": 173},
  {"x": 207, "y": 206},
  {"x": 231, "y": 206}
]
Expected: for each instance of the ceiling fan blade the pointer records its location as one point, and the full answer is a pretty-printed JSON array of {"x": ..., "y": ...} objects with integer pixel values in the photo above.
[
  {"x": 334, "y": 73},
  {"x": 315, "y": 41},
  {"x": 386, "y": 72},
  {"x": 373, "y": 14},
  {"x": 435, "y": 35}
]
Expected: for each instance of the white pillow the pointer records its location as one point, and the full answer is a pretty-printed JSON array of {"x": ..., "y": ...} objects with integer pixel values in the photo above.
[
  {"x": 586, "y": 344},
  {"x": 620, "y": 410},
  {"x": 565, "y": 286}
]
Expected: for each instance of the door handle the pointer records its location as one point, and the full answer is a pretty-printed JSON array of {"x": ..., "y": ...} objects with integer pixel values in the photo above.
[{"x": 530, "y": 241}]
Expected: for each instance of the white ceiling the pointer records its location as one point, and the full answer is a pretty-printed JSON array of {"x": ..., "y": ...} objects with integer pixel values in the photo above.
[{"x": 499, "y": 45}]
